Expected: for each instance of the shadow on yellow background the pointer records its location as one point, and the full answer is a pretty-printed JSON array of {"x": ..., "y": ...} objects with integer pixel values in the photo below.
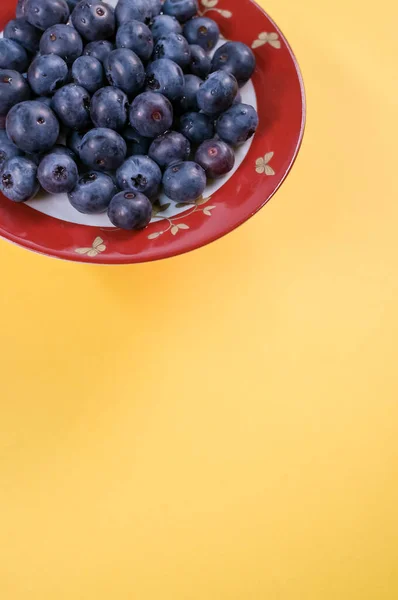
[{"x": 223, "y": 425}]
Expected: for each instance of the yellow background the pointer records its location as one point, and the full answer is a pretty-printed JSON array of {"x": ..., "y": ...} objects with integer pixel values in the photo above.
[{"x": 223, "y": 425}]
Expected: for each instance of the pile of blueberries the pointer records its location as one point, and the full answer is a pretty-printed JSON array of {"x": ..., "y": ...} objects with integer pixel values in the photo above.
[{"x": 109, "y": 105}]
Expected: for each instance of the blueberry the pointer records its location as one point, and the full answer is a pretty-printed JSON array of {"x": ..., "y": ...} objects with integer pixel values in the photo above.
[
  {"x": 59, "y": 149},
  {"x": 109, "y": 107},
  {"x": 184, "y": 181},
  {"x": 165, "y": 77},
  {"x": 57, "y": 173},
  {"x": 92, "y": 193},
  {"x": 24, "y": 33},
  {"x": 151, "y": 114},
  {"x": 237, "y": 124},
  {"x": 125, "y": 70},
  {"x": 197, "y": 127},
  {"x": 32, "y": 126},
  {"x": 202, "y": 31},
  {"x": 103, "y": 149},
  {"x": 89, "y": 73},
  {"x": 189, "y": 101},
  {"x": 46, "y": 13},
  {"x": 181, "y": 9},
  {"x": 200, "y": 62},
  {"x": 136, "y": 36},
  {"x": 7, "y": 149},
  {"x": 216, "y": 158},
  {"x": 130, "y": 210},
  {"x": 163, "y": 25},
  {"x": 217, "y": 93},
  {"x": 62, "y": 40},
  {"x": 13, "y": 89},
  {"x": 47, "y": 74},
  {"x": 72, "y": 105},
  {"x": 136, "y": 143},
  {"x": 99, "y": 49},
  {"x": 135, "y": 10},
  {"x": 21, "y": 8},
  {"x": 74, "y": 141},
  {"x": 13, "y": 56},
  {"x": 140, "y": 174},
  {"x": 235, "y": 58},
  {"x": 175, "y": 47},
  {"x": 94, "y": 20},
  {"x": 168, "y": 148},
  {"x": 18, "y": 179}
]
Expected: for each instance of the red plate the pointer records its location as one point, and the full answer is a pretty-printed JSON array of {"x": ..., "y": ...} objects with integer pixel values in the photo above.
[{"x": 281, "y": 106}]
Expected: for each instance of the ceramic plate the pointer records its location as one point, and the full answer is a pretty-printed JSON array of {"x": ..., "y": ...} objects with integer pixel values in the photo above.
[{"x": 49, "y": 225}]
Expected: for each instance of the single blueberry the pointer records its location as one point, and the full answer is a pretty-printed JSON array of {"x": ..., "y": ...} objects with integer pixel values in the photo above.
[
  {"x": 200, "y": 64},
  {"x": 13, "y": 56},
  {"x": 165, "y": 77},
  {"x": 45, "y": 13},
  {"x": 202, "y": 31},
  {"x": 63, "y": 40},
  {"x": 92, "y": 193},
  {"x": 183, "y": 10},
  {"x": 235, "y": 58},
  {"x": 140, "y": 174},
  {"x": 18, "y": 179},
  {"x": 136, "y": 143},
  {"x": 175, "y": 47},
  {"x": 7, "y": 149},
  {"x": 47, "y": 74},
  {"x": 197, "y": 127},
  {"x": 217, "y": 93},
  {"x": 168, "y": 148},
  {"x": 99, "y": 49},
  {"x": 162, "y": 25},
  {"x": 72, "y": 105},
  {"x": 189, "y": 100},
  {"x": 32, "y": 126},
  {"x": 238, "y": 124},
  {"x": 109, "y": 107},
  {"x": 94, "y": 20},
  {"x": 216, "y": 158},
  {"x": 135, "y": 10},
  {"x": 13, "y": 89},
  {"x": 130, "y": 210},
  {"x": 125, "y": 70},
  {"x": 184, "y": 181},
  {"x": 151, "y": 114},
  {"x": 57, "y": 173},
  {"x": 103, "y": 149},
  {"x": 136, "y": 36},
  {"x": 89, "y": 73},
  {"x": 24, "y": 33}
]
